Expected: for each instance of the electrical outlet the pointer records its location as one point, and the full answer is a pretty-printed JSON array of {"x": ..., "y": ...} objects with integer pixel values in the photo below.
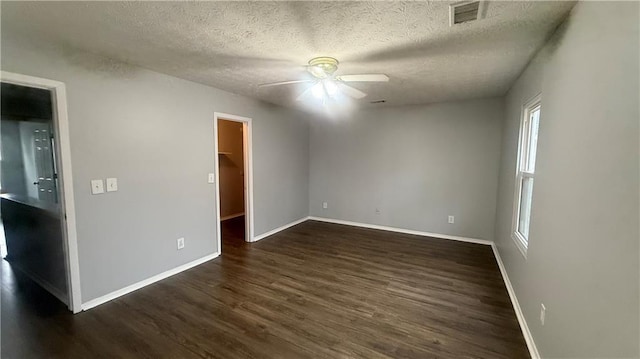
[
  {"x": 451, "y": 219},
  {"x": 180, "y": 243},
  {"x": 377, "y": 210},
  {"x": 211, "y": 178},
  {"x": 543, "y": 313},
  {"x": 325, "y": 205}
]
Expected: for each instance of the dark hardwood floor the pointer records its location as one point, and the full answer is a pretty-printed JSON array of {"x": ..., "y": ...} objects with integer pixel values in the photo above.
[{"x": 315, "y": 290}]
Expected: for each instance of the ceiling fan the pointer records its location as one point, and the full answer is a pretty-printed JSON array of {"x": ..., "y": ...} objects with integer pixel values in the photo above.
[{"x": 326, "y": 84}]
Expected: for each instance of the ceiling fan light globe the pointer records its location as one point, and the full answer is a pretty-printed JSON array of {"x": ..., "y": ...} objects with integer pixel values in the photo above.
[
  {"x": 317, "y": 91},
  {"x": 322, "y": 67},
  {"x": 317, "y": 71}
]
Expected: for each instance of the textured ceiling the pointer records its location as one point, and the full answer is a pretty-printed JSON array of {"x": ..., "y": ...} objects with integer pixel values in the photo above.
[{"x": 237, "y": 45}]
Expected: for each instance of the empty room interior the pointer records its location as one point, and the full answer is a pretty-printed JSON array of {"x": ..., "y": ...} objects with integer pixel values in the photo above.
[{"x": 320, "y": 179}]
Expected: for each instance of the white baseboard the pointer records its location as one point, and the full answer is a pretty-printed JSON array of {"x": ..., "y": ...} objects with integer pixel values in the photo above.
[
  {"x": 143, "y": 283},
  {"x": 401, "y": 230},
  {"x": 231, "y": 216},
  {"x": 279, "y": 229},
  {"x": 533, "y": 350}
]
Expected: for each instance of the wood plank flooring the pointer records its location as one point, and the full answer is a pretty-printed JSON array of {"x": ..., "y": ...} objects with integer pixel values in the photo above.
[{"x": 316, "y": 290}]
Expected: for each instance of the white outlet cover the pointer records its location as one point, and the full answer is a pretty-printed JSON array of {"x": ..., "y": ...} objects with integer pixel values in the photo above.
[
  {"x": 180, "y": 243},
  {"x": 112, "y": 184},
  {"x": 452, "y": 219},
  {"x": 543, "y": 313},
  {"x": 325, "y": 205},
  {"x": 212, "y": 178},
  {"x": 97, "y": 186}
]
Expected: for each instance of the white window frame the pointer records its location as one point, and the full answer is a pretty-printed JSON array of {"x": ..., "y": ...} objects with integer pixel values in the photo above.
[{"x": 535, "y": 103}]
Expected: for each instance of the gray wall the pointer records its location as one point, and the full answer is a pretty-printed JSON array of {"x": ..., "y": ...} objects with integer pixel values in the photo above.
[
  {"x": 155, "y": 134},
  {"x": 416, "y": 164},
  {"x": 582, "y": 261}
]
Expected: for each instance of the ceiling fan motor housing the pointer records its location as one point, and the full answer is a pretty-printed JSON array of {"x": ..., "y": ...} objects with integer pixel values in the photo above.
[{"x": 326, "y": 65}]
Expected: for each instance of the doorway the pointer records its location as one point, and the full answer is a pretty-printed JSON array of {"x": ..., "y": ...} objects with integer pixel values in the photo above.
[
  {"x": 36, "y": 202},
  {"x": 234, "y": 180}
]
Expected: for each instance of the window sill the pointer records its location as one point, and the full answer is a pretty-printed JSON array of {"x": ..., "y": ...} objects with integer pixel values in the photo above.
[{"x": 520, "y": 243}]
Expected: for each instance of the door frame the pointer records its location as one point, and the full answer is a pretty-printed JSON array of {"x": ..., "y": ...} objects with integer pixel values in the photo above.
[
  {"x": 247, "y": 145},
  {"x": 65, "y": 176}
]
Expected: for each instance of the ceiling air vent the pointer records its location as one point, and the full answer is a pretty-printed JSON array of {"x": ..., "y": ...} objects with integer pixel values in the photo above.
[{"x": 465, "y": 11}]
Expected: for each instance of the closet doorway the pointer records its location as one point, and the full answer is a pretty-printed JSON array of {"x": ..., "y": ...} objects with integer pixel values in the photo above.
[{"x": 233, "y": 179}]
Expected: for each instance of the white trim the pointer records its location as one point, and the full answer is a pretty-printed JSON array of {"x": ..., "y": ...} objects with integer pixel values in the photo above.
[
  {"x": 65, "y": 174},
  {"x": 279, "y": 229},
  {"x": 232, "y": 216},
  {"x": 533, "y": 350},
  {"x": 143, "y": 283},
  {"x": 402, "y": 230},
  {"x": 247, "y": 142},
  {"x": 216, "y": 171},
  {"x": 522, "y": 243}
]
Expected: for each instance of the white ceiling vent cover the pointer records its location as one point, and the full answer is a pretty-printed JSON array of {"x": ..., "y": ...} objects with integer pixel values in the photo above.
[{"x": 465, "y": 11}]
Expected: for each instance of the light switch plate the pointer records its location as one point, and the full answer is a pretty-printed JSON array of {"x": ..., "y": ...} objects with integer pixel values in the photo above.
[
  {"x": 212, "y": 178},
  {"x": 112, "y": 184},
  {"x": 97, "y": 186}
]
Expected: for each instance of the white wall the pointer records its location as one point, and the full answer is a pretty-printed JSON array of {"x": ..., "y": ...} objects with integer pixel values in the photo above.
[
  {"x": 416, "y": 164},
  {"x": 155, "y": 134},
  {"x": 582, "y": 261}
]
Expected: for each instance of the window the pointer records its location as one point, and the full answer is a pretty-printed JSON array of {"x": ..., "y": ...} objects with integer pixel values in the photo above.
[{"x": 525, "y": 173}]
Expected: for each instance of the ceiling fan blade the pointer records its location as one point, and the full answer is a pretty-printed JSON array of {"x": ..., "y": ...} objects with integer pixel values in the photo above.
[
  {"x": 350, "y": 91},
  {"x": 364, "y": 78},
  {"x": 283, "y": 83},
  {"x": 304, "y": 94}
]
